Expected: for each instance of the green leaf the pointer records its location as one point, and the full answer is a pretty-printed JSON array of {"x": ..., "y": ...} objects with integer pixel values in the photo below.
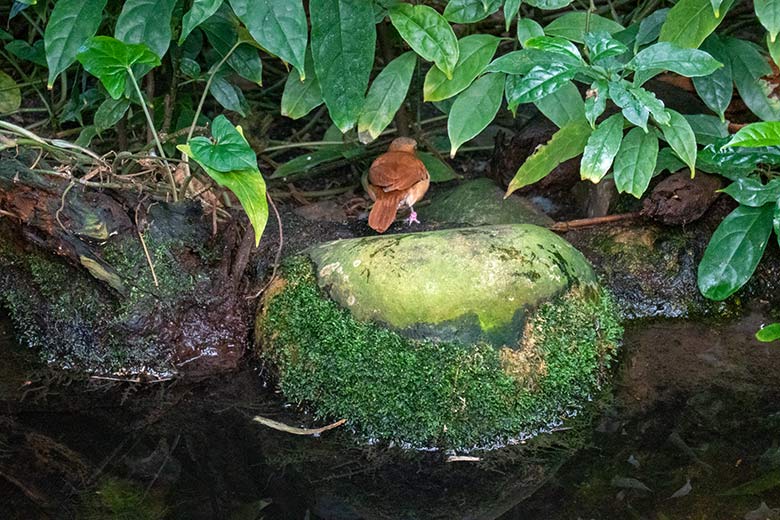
[
  {"x": 707, "y": 129},
  {"x": 633, "y": 110},
  {"x": 527, "y": 29},
  {"x": 601, "y": 45},
  {"x": 650, "y": 27},
  {"x": 279, "y": 26},
  {"x": 228, "y": 95},
  {"x": 717, "y": 88},
  {"x": 601, "y": 149},
  {"x": 343, "y": 38},
  {"x": 563, "y": 105},
  {"x": 774, "y": 49},
  {"x": 679, "y": 134},
  {"x": 246, "y": 61},
  {"x": 71, "y": 23},
  {"x": 572, "y": 26},
  {"x": 733, "y": 163},
  {"x": 247, "y": 185},
  {"x": 555, "y": 45},
  {"x": 110, "y": 112},
  {"x": 757, "y": 134},
  {"x": 200, "y": 11},
  {"x": 538, "y": 83},
  {"x": 751, "y": 192},
  {"x": 635, "y": 162},
  {"x": 147, "y": 22},
  {"x": 10, "y": 94},
  {"x": 385, "y": 96},
  {"x": 470, "y": 11},
  {"x": 511, "y": 8},
  {"x": 596, "y": 101},
  {"x": 428, "y": 33},
  {"x": 476, "y": 51},
  {"x": 227, "y": 151},
  {"x": 109, "y": 60},
  {"x": 222, "y": 31},
  {"x": 667, "y": 161},
  {"x": 474, "y": 109},
  {"x": 308, "y": 162},
  {"x": 689, "y": 22},
  {"x": 565, "y": 144},
  {"x": 521, "y": 62},
  {"x": 768, "y": 13},
  {"x": 438, "y": 169},
  {"x": 748, "y": 67},
  {"x": 670, "y": 57},
  {"x": 33, "y": 53},
  {"x": 301, "y": 97},
  {"x": 734, "y": 251},
  {"x": 716, "y": 7},
  {"x": 548, "y": 5},
  {"x": 769, "y": 333},
  {"x": 654, "y": 105}
]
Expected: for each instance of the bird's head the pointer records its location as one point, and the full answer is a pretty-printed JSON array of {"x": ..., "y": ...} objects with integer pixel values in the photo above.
[{"x": 403, "y": 144}]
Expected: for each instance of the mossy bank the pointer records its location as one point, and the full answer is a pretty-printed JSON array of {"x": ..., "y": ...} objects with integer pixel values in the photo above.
[{"x": 394, "y": 384}]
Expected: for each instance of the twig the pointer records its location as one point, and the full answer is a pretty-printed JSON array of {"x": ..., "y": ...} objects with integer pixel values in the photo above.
[
  {"x": 162, "y": 466},
  {"x": 143, "y": 244},
  {"x": 276, "y": 425},
  {"x": 595, "y": 221},
  {"x": 463, "y": 458},
  {"x": 278, "y": 257},
  {"x": 62, "y": 205}
]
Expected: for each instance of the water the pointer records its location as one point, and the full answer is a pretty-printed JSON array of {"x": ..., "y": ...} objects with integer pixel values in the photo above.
[{"x": 695, "y": 415}]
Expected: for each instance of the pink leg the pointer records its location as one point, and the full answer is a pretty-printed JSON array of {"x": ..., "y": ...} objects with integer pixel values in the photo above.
[{"x": 412, "y": 219}]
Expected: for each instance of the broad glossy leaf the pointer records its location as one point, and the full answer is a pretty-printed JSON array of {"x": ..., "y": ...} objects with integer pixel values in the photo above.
[
  {"x": 343, "y": 38},
  {"x": 596, "y": 101},
  {"x": 110, "y": 112},
  {"x": 635, "y": 162},
  {"x": 308, "y": 162},
  {"x": 769, "y": 333},
  {"x": 301, "y": 97},
  {"x": 438, "y": 169},
  {"x": 670, "y": 57},
  {"x": 527, "y": 29},
  {"x": 539, "y": 82},
  {"x": 470, "y": 11},
  {"x": 10, "y": 94},
  {"x": 226, "y": 151},
  {"x": 757, "y": 134},
  {"x": 222, "y": 31},
  {"x": 679, "y": 134},
  {"x": 71, "y": 23},
  {"x": 549, "y": 4},
  {"x": 279, "y": 26},
  {"x": 109, "y": 60},
  {"x": 748, "y": 67},
  {"x": 734, "y": 163},
  {"x": 652, "y": 103},
  {"x": 228, "y": 95},
  {"x": 555, "y": 45},
  {"x": 768, "y": 13},
  {"x": 601, "y": 45},
  {"x": 706, "y": 128},
  {"x": 774, "y": 49},
  {"x": 428, "y": 33},
  {"x": 476, "y": 51},
  {"x": 511, "y": 8},
  {"x": 521, "y": 62},
  {"x": 752, "y": 192},
  {"x": 474, "y": 109},
  {"x": 734, "y": 251},
  {"x": 565, "y": 144},
  {"x": 689, "y": 22},
  {"x": 601, "y": 149},
  {"x": 716, "y": 89},
  {"x": 563, "y": 105},
  {"x": 200, "y": 11},
  {"x": 667, "y": 161},
  {"x": 633, "y": 110},
  {"x": 716, "y": 7},
  {"x": 247, "y": 185},
  {"x": 33, "y": 53},
  {"x": 147, "y": 22},
  {"x": 572, "y": 26},
  {"x": 385, "y": 96},
  {"x": 650, "y": 27}
]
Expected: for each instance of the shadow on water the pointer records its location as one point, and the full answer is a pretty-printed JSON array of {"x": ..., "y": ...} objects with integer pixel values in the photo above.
[{"x": 692, "y": 432}]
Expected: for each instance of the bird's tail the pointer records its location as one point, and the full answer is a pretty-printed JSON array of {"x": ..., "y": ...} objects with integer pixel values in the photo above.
[{"x": 384, "y": 210}]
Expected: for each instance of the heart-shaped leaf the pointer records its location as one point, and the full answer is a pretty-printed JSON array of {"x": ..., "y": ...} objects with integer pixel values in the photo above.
[
  {"x": 227, "y": 152},
  {"x": 110, "y": 60}
]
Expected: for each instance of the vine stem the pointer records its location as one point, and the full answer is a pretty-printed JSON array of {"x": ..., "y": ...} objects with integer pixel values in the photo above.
[
  {"x": 208, "y": 85},
  {"x": 149, "y": 120}
]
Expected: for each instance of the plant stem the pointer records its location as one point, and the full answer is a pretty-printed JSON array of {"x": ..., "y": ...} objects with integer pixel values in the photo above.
[{"x": 206, "y": 88}]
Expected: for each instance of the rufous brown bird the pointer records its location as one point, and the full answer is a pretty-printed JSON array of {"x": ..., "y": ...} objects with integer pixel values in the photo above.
[{"x": 396, "y": 177}]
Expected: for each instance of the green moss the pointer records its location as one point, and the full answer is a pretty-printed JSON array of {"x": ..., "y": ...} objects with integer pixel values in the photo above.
[
  {"x": 121, "y": 499},
  {"x": 425, "y": 393}
]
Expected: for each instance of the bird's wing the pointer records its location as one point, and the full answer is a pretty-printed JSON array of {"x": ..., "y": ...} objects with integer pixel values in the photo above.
[{"x": 397, "y": 171}]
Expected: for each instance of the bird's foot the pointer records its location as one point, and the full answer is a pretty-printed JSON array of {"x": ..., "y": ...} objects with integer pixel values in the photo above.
[{"x": 412, "y": 219}]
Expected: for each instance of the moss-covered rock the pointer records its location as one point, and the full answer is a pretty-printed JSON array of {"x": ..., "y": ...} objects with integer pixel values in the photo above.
[{"x": 465, "y": 386}]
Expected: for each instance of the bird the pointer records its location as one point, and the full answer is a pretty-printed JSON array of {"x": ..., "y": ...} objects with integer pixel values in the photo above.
[{"x": 396, "y": 177}]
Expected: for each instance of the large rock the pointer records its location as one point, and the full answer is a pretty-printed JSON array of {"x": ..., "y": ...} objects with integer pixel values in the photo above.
[{"x": 454, "y": 338}]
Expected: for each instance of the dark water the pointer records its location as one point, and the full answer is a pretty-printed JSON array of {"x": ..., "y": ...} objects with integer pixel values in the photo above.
[{"x": 692, "y": 432}]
